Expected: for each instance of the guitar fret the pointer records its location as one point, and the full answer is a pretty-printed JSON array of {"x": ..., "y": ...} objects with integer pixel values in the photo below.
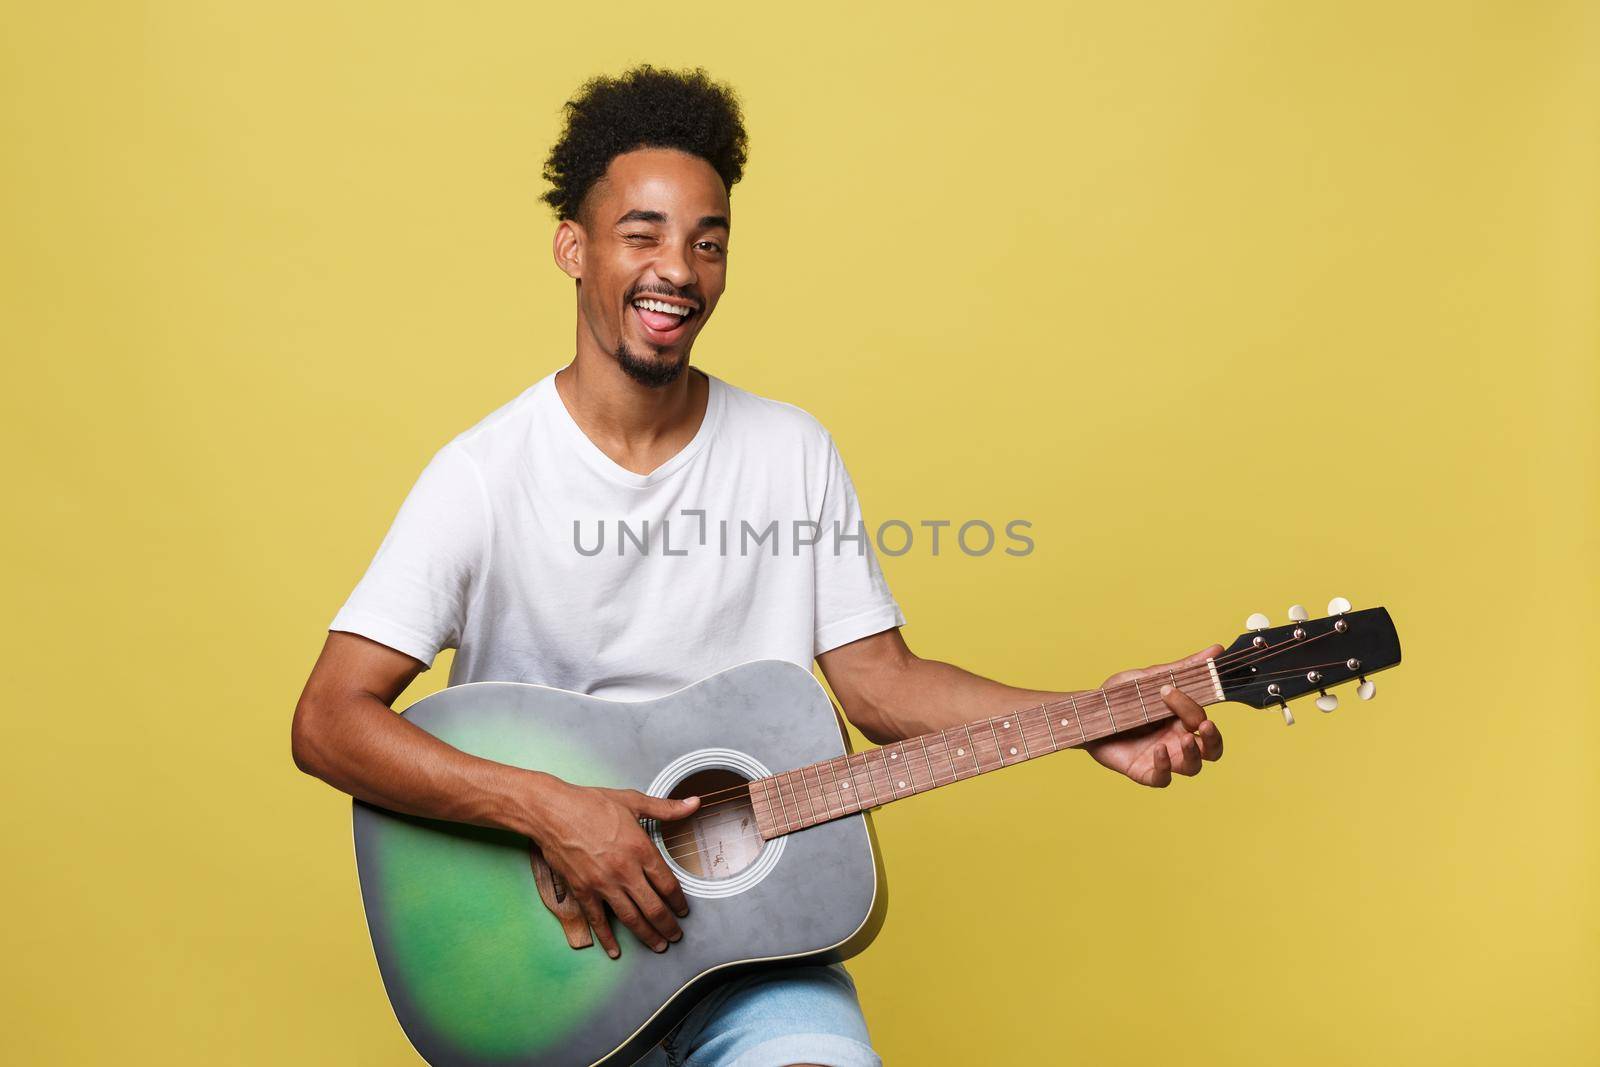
[
  {"x": 814, "y": 791},
  {"x": 846, "y": 793},
  {"x": 947, "y": 748},
  {"x": 788, "y": 803},
  {"x": 838, "y": 795},
  {"x": 1077, "y": 718},
  {"x": 886, "y": 789},
  {"x": 1055, "y": 746},
  {"x": 840, "y": 791},
  {"x": 776, "y": 792},
  {"x": 933, "y": 779},
  {"x": 824, "y": 795},
  {"x": 1109, "y": 714},
  {"x": 893, "y": 765},
  {"x": 1144, "y": 713},
  {"x": 758, "y": 803},
  {"x": 850, "y": 788},
  {"x": 1022, "y": 728},
  {"x": 800, "y": 791},
  {"x": 947, "y": 763},
  {"x": 796, "y": 782},
  {"x": 906, "y": 770},
  {"x": 1004, "y": 746},
  {"x": 777, "y": 788},
  {"x": 977, "y": 768},
  {"x": 867, "y": 790}
]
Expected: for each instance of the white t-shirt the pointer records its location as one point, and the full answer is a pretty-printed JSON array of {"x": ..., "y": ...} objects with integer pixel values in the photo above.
[{"x": 539, "y": 559}]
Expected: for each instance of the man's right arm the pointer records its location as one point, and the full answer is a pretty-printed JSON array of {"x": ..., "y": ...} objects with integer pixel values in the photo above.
[{"x": 346, "y": 733}]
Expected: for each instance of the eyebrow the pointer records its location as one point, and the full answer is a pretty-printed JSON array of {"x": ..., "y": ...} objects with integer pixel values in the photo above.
[{"x": 706, "y": 221}]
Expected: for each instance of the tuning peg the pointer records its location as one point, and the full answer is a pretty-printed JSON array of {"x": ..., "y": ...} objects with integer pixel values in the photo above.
[
  {"x": 1298, "y": 613},
  {"x": 1288, "y": 716},
  {"x": 1257, "y": 621},
  {"x": 1338, "y": 606},
  {"x": 1327, "y": 701},
  {"x": 1366, "y": 690}
]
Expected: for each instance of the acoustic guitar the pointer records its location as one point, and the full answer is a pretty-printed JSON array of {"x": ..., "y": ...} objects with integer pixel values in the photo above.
[{"x": 473, "y": 932}]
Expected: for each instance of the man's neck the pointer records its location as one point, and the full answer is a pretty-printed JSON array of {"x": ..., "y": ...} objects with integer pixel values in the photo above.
[{"x": 638, "y": 426}]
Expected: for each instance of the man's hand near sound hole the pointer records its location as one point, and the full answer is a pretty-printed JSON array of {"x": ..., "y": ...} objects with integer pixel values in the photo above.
[{"x": 592, "y": 838}]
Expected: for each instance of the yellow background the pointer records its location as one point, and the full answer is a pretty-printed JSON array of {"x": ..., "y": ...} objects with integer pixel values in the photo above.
[{"x": 1241, "y": 304}]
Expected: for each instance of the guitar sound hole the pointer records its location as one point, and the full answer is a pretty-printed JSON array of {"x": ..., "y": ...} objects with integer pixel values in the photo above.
[{"x": 720, "y": 839}]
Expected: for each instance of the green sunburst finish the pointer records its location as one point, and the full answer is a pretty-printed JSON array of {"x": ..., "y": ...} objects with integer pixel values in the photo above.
[
  {"x": 479, "y": 972},
  {"x": 469, "y": 946}
]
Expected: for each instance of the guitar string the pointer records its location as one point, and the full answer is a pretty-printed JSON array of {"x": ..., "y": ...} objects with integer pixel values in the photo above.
[
  {"x": 1201, "y": 671},
  {"x": 865, "y": 760},
  {"x": 743, "y": 789},
  {"x": 883, "y": 795},
  {"x": 830, "y": 815},
  {"x": 873, "y": 764},
  {"x": 1227, "y": 661},
  {"x": 1193, "y": 674}
]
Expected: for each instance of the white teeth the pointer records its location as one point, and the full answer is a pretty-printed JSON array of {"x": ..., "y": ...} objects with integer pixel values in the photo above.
[{"x": 658, "y": 305}]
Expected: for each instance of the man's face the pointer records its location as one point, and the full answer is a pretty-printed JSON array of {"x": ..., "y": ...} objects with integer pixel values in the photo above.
[{"x": 654, "y": 259}]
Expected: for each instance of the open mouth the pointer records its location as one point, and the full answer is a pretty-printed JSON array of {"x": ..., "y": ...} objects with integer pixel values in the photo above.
[{"x": 663, "y": 320}]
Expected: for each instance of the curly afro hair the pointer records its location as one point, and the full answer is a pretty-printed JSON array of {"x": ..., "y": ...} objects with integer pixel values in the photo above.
[{"x": 643, "y": 108}]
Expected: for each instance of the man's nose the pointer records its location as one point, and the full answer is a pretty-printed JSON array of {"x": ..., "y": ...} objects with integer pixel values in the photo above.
[{"x": 675, "y": 268}]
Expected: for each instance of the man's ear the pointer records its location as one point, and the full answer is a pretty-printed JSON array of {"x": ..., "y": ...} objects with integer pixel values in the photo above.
[{"x": 567, "y": 248}]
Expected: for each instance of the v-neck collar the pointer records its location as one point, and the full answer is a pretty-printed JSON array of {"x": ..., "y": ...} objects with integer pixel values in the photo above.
[{"x": 604, "y": 465}]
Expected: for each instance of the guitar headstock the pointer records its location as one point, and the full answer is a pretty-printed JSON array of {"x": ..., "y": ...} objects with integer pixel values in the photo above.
[{"x": 1271, "y": 665}]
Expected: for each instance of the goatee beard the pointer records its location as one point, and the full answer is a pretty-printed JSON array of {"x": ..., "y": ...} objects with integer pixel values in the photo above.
[{"x": 648, "y": 372}]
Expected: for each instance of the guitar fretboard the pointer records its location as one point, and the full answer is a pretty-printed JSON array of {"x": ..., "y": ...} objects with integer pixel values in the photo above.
[{"x": 844, "y": 785}]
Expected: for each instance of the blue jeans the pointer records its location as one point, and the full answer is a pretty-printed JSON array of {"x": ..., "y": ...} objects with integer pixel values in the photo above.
[{"x": 803, "y": 1014}]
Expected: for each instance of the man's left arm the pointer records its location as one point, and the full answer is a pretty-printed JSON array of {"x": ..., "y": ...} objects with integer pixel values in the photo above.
[{"x": 890, "y": 694}]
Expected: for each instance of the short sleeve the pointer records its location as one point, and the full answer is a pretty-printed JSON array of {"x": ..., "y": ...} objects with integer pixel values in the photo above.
[
  {"x": 415, "y": 593},
  {"x": 852, "y": 598}
]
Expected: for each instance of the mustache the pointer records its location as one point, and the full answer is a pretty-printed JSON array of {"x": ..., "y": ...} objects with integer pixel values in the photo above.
[{"x": 662, "y": 290}]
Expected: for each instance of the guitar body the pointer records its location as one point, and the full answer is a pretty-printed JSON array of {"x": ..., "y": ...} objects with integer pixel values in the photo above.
[{"x": 477, "y": 967}]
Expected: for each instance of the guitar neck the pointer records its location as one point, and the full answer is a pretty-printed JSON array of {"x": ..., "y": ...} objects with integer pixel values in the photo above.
[{"x": 844, "y": 785}]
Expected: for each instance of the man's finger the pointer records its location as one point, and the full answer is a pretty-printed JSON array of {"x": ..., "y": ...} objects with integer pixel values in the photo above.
[
  {"x": 1159, "y": 776},
  {"x": 1188, "y": 761},
  {"x": 664, "y": 883},
  {"x": 655, "y": 911},
  {"x": 1210, "y": 739},
  {"x": 624, "y": 908},
  {"x": 595, "y": 912},
  {"x": 663, "y": 810},
  {"x": 1183, "y": 706}
]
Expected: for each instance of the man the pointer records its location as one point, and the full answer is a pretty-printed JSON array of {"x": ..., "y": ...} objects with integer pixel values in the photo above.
[{"x": 486, "y": 556}]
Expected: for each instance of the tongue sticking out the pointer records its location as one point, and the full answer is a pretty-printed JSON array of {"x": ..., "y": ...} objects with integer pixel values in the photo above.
[{"x": 659, "y": 320}]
